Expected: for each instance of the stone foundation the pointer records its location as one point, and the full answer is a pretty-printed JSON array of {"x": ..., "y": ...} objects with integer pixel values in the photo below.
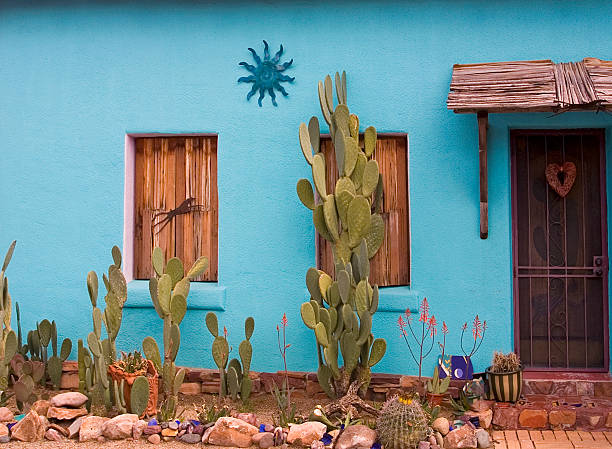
[{"x": 546, "y": 404}]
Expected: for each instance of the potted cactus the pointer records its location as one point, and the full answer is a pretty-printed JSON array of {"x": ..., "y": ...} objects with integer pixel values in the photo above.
[
  {"x": 505, "y": 377},
  {"x": 128, "y": 369}
]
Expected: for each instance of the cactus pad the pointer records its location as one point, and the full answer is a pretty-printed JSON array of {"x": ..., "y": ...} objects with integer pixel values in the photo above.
[
  {"x": 175, "y": 269},
  {"x": 305, "y": 193},
  {"x": 212, "y": 324},
  {"x": 139, "y": 395},
  {"x": 305, "y": 143},
  {"x": 198, "y": 267}
]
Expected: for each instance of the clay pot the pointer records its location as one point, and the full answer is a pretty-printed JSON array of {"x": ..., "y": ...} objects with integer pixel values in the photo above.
[
  {"x": 435, "y": 398},
  {"x": 118, "y": 374}
]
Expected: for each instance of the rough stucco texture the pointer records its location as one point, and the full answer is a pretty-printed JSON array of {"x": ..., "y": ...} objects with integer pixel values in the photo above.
[{"x": 75, "y": 78}]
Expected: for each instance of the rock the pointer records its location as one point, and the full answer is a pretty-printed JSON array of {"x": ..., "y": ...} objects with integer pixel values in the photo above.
[
  {"x": 152, "y": 430},
  {"x": 269, "y": 428},
  {"x": 432, "y": 440},
  {"x": 484, "y": 417},
  {"x": 173, "y": 425},
  {"x": 562, "y": 418},
  {"x": 91, "y": 428},
  {"x": 248, "y": 417},
  {"x": 317, "y": 444},
  {"x": 119, "y": 427},
  {"x": 482, "y": 437},
  {"x": 53, "y": 435},
  {"x": 169, "y": 432},
  {"x": 229, "y": 431},
  {"x": 306, "y": 433},
  {"x": 191, "y": 388},
  {"x": 154, "y": 439},
  {"x": 608, "y": 419},
  {"x": 356, "y": 437},
  {"x": 65, "y": 414},
  {"x": 73, "y": 429},
  {"x": 6, "y": 414},
  {"x": 439, "y": 439},
  {"x": 480, "y": 405},
  {"x": 206, "y": 434},
  {"x": 441, "y": 425},
  {"x": 263, "y": 439},
  {"x": 280, "y": 436},
  {"x": 505, "y": 417},
  {"x": 31, "y": 428},
  {"x": 138, "y": 429},
  {"x": 464, "y": 437},
  {"x": 5, "y": 439},
  {"x": 424, "y": 445},
  {"x": 199, "y": 429},
  {"x": 63, "y": 431},
  {"x": 72, "y": 399},
  {"x": 191, "y": 438},
  {"x": 3, "y": 430},
  {"x": 533, "y": 419}
]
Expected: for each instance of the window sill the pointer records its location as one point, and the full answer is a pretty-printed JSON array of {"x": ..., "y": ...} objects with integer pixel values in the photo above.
[
  {"x": 398, "y": 299},
  {"x": 202, "y": 296}
]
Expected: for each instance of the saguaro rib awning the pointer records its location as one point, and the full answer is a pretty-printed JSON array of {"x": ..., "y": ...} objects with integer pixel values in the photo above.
[
  {"x": 531, "y": 86},
  {"x": 525, "y": 86}
]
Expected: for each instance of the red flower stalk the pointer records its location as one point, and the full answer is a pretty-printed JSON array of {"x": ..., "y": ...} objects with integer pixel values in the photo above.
[
  {"x": 283, "y": 352},
  {"x": 478, "y": 333},
  {"x": 428, "y": 329}
]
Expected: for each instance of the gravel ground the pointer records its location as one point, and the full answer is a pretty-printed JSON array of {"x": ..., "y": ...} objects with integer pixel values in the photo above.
[{"x": 263, "y": 405}]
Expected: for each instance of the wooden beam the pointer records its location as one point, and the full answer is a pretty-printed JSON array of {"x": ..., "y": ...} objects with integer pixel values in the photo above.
[{"x": 483, "y": 123}]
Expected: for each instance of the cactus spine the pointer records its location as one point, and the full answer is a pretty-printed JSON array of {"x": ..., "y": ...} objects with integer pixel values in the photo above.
[
  {"x": 340, "y": 310},
  {"x": 169, "y": 290},
  {"x": 93, "y": 362},
  {"x": 235, "y": 379}
]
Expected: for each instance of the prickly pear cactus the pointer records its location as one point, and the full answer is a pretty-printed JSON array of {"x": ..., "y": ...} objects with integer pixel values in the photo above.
[
  {"x": 235, "y": 380},
  {"x": 8, "y": 338},
  {"x": 169, "y": 290},
  {"x": 94, "y": 380},
  {"x": 402, "y": 423},
  {"x": 340, "y": 310}
]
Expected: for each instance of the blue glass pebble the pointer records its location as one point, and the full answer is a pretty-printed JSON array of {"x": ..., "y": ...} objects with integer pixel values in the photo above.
[
  {"x": 262, "y": 427},
  {"x": 153, "y": 422}
]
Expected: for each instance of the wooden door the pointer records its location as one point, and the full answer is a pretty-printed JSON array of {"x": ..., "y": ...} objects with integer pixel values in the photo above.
[{"x": 560, "y": 250}]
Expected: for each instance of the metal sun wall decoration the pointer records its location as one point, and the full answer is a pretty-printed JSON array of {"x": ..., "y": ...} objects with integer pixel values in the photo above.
[{"x": 266, "y": 75}]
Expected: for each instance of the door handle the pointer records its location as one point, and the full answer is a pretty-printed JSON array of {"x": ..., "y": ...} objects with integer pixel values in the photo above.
[{"x": 599, "y": 265}]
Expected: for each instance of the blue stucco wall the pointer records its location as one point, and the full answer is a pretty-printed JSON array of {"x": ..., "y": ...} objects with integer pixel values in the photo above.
[{"x": 76, "y": 77}]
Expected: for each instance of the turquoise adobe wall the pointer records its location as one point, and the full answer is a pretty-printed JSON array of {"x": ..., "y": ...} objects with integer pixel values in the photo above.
[{"x": 75, "y": 78}]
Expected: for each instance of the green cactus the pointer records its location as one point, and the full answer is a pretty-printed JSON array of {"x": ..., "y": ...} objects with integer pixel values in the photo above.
[
  {"x": 93, "y": 361},
  {"x": 139, "y": 395},
  {"x": 8, "y": 338},
  {"x": 233, "y": 375},
  {"x": 342, "y": 304},
  {"x": 169, "y": 290},
  {"x": 402, "y": 423}
]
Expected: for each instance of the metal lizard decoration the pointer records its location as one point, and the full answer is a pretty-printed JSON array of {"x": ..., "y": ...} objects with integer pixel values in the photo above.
[{"x": 184, "y": 208}]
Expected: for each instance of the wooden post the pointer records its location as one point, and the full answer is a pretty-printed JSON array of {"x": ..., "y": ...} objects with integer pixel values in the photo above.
[{"x": 483, "y": 123}]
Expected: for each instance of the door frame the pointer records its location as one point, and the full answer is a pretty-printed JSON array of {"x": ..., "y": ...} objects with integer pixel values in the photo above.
[{"x": 600, "y": 132}]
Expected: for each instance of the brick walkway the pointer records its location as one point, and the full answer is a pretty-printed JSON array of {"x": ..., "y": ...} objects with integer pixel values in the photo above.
[{"x": 549, "y": 439}]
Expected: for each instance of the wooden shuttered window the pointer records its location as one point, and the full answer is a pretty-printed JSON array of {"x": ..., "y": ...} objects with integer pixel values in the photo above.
[
  {"x": 168, "y": 170},
  {"x": 391, "y": 264}
]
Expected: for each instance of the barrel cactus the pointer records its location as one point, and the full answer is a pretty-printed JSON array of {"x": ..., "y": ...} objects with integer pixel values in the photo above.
[
  {"x": 348, "y": 216},
  {"x": 234, "y": 375},
  {"x": 402, "y": 423},
  {"x": 169, "y": 289}
]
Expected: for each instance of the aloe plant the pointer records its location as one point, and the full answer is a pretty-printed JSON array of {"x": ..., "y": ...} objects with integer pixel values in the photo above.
[{"x": 348, "y": 216}]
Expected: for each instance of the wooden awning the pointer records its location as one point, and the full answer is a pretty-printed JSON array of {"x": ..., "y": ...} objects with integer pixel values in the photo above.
[
  {"x": 525, "y": 86},
  {"x": 531, "y": 86}
]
